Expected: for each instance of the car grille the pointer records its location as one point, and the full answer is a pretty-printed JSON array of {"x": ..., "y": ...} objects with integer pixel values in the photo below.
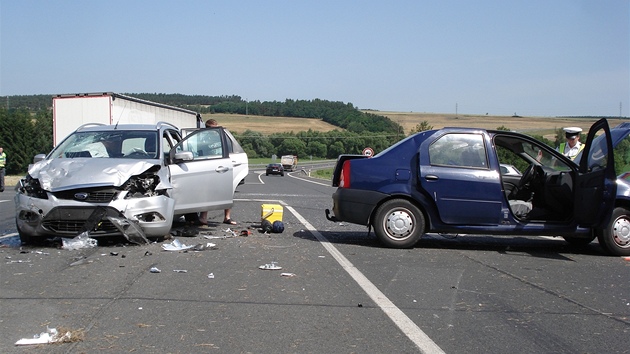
[
  {"x": 88, "y": 195},
  {"x": 71, "y": 220}
]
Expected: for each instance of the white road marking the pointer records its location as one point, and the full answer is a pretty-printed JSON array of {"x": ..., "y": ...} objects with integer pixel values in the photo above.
[
  {"x": 310, "y": 181},
  {"x": 406, "y": 325},
  {"x": 8, "y": 235}
]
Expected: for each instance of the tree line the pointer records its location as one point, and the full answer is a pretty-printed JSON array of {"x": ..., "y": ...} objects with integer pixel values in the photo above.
[
  {"x": 314, "y": 144},
  {"x": 24, "y": 134}
]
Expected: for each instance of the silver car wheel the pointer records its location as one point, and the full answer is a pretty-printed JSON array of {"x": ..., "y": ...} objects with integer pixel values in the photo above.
[
  {"x": 399, "y": 223},
  {"x": 621, "y": 231}
]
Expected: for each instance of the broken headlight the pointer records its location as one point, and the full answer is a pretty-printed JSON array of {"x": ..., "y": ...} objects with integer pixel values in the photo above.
[
  {"x": 142, "y": 186},
  {"x": 31, "y": 187}
]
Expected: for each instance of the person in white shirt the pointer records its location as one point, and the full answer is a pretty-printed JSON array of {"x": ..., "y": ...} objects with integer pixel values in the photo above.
[{"x": 572, "y": 146}]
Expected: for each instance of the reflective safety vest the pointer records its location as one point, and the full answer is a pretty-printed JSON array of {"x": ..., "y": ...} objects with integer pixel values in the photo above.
[
  {"x": 3, "y": 160},
  {"x": 572, "y": 152}
]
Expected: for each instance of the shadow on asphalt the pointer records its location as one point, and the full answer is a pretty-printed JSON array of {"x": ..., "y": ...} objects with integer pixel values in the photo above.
[{"x": 535, "y": 247}]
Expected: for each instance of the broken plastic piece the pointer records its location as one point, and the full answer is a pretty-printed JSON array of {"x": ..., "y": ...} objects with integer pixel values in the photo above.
[
  {"x": 180, "y": 271},
  {"x": 50, "y": 336},
  {"x": 270, "y": 266},
  {"x": 155, "y": 270},
  {"x": 211, "y": 276},
  {"x": 202, "y": 247},
  {"x": 230, "y": 231},
  {"x": 287, "y": 274},
  {"x": 80, "y": 242},
  {"x": 130, "y": 229},
  {"x": 176, "y": 245}
]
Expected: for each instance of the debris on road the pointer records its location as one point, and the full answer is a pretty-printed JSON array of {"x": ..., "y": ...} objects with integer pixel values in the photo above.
[
  {"x": 230, "y": 232},
  {"x": 270, "y": 266},
  {"x": 130, "y": 229},
  {"x": 176, "y": 245},
  {"x": 155, "y": 270},
  {"x": 202, "y": 247},
  {"x": 53, "y": 336},
  {"x": 80, "y": 242},
  {"x": 287, "y": 274},
  {"x": 180, "y": 271},
  {"x": 211, "y": 276}
]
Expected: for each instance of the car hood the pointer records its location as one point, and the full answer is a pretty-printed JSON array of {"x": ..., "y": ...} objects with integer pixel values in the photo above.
[{"x": 63, "y": 174}]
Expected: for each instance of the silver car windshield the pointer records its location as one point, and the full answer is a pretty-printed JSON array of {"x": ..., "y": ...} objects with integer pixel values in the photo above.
[{"x": 130, "y": 144}]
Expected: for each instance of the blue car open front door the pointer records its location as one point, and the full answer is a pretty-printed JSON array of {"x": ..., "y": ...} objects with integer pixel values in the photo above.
[{"x": 595, "y": 183}]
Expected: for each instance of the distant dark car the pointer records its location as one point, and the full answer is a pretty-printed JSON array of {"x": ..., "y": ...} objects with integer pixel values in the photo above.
[
  {"x": 274, "y": 169},
  {"x": 450, "y": 181}
]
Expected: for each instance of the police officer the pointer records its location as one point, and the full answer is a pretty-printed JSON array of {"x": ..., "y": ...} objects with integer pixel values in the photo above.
[
  {"x": 572, "y": 146},
  {"x": 3, "y": 164}
]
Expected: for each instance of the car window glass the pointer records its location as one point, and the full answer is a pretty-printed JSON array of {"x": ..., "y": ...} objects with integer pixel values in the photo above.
[
  {"x": 108, "y": 144},
  {"x": 521, "y": 153},
  {"x": 622, "y": 156},
  {"x": 598, "y": 152},
  {"x": 204, "y": 144},
  {"x": 459, "y": 150}
]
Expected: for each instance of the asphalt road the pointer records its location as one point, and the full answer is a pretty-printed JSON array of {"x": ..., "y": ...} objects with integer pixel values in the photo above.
[{"x": 347, "y": 294}]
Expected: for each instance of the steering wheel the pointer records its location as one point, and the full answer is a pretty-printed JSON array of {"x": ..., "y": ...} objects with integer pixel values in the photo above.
[
  {"x": 530, "y": 174},
  {"x": 527, "y": 177}
]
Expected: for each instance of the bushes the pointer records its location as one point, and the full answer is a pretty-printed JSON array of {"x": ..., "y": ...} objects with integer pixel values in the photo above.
[{"x": 23, "y": 135}]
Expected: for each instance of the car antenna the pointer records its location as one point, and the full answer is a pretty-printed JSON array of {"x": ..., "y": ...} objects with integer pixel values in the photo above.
[{"x": 121, "y": 112}]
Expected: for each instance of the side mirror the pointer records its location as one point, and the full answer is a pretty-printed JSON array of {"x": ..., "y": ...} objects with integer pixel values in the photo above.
[
  {"x": 183, "y": 156},
  {"x": 38, "y": 158}
]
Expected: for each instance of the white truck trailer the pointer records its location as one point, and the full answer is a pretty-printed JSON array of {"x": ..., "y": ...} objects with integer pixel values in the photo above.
[{"x": 73, "y": 110}]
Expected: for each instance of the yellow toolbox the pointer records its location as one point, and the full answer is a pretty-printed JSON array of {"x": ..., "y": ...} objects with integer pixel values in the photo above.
[{"x": 271, "y": 212}]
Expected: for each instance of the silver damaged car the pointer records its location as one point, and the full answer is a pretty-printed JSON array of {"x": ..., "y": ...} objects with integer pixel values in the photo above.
[{"x": 147, "y": 174}]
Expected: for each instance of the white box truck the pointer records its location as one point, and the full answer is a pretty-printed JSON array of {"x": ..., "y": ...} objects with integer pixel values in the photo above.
[
  {"x": 289, "y": 162},
  {"x": 73, "y": 110}
]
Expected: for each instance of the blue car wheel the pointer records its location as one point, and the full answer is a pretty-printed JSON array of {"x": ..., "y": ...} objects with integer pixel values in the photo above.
[
  {"x": 398, "y": 223},
  {"x": 615, "y": 238}
]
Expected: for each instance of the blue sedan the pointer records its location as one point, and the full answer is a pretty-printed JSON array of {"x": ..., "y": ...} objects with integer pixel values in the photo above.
[{"x": 449, "y": 181}]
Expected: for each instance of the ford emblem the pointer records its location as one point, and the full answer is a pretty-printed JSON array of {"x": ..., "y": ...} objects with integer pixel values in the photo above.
[{"x": 81, "y": 196}]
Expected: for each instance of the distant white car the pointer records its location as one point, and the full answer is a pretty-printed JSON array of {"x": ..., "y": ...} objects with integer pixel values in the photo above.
[
  {"x": 148, "y": 174},
  {"x": 509, "y": 170}
]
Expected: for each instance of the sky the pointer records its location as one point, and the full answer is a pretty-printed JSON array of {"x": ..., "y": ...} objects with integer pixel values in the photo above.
[{"x": 497, "y": 57}]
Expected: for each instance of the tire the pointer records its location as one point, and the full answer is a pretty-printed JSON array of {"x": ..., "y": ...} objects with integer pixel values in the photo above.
[
  {"x": 398, "y": 223},
  {"x": 615, "y": 238}
]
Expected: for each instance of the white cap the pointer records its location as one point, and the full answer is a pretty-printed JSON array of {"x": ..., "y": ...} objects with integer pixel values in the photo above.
[{"x": 572, "y": 131}]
